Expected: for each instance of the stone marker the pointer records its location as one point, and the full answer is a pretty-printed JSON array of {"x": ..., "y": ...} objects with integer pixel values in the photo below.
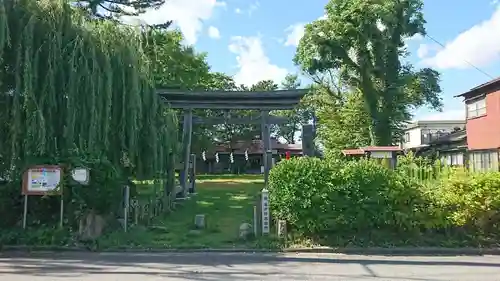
[
  {"x": 281, "y": 226},
  {"x": 194, "y": 232},
  {"x": 199, "y": 221},
  {"x": 246, "y": 230}
]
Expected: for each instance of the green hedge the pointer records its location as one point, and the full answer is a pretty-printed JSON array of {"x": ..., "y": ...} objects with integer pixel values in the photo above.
[
  {"x": 322, "y": 197},
  {"x": 316, "y": 196},
  {"x": 471, "y": 200}
]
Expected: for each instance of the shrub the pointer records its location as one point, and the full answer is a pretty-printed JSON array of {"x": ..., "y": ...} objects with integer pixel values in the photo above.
[
  {"x": 103, "y": 193},
  {"x": 298, "y": 191},
  {"x": 322, "y": 196},
  {"x": 471, "y": 199},
  {"x": 363, "y": 202},
  {"x": 376, "y": 197}
]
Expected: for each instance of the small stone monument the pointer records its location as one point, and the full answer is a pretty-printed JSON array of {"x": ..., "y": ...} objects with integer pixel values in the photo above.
[
  {"x": 281, "y": 226},
  {"x": 91, "y": 226},
  {"x": 246, "y": 230},
  {"x": 199, "y": 221}
]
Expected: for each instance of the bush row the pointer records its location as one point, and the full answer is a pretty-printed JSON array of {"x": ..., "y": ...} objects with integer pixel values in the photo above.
[{"x": 328, "y": 197}]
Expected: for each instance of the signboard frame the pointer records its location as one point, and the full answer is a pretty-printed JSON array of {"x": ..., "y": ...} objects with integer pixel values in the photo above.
[
  {"x": 26, "y": 181},
  {"x": 26, "y": 192}
]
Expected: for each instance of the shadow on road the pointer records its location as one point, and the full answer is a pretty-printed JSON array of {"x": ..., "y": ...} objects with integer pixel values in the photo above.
[
  {"x": 213, "y": 266},
  {"x": 212, "y": 259}
]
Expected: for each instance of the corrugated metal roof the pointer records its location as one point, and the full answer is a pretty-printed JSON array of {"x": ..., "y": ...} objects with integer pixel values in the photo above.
[
  {"x": 381, "y": 148},
  {"x": 477, "y": 90},
  {"x": 353, "y": 152},
  {"x": 363, "y": 150}
]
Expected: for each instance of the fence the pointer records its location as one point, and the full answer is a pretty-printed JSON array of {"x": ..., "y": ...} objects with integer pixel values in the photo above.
[
  {"x": 148, "y": 202},
  {"x": 426, "y": 173}
]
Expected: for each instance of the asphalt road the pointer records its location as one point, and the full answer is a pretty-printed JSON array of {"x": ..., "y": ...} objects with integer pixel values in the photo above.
[{"x": 258, "y": 266}]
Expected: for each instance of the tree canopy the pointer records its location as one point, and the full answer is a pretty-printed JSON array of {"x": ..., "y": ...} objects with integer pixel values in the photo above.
[
  {"x": 363, "y": 89},
  {"x": 114, "y": 8},
  {"x": 362, "y": 42},
  {"x": 297, "y": 117},
  {"x": 175, "y": 66},
  {"x": 95, "y": 95}
]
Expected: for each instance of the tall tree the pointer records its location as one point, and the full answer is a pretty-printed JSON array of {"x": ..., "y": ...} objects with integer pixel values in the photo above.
[
  {"x": 264, "y": 85},
  {"x": 232, "y": 133},
  {"x": 112, "y": 9},
  {"x": 363, "y": 42},
  {"x": 87, "y": 90},
  {"x": 342, "y": 121},
  {"x": 176, "y": 66},
  {"x": 173, "y": 64},
  {"x": 297, "y": 117}
]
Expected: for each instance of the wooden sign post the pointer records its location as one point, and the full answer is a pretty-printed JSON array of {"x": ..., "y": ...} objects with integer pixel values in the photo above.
[{"x": 41, "y": 181}]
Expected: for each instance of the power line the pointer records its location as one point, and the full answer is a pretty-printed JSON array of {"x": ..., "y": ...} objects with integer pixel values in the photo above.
[{"x": 466, "y": 61}]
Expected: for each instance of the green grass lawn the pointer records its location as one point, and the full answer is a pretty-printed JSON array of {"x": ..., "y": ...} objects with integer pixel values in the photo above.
[{"x": 225, "y": 200}]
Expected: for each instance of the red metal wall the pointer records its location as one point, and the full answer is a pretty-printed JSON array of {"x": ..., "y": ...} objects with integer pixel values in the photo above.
[{"x": 484, "y": 132}]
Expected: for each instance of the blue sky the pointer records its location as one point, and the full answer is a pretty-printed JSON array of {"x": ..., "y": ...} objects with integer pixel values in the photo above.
[{"x": 256, "y": 40}]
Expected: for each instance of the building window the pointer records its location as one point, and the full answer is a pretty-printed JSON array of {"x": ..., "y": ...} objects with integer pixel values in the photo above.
[
  {"x": 428, "y": 135},
  {"x": 484, "y": 161},
  {"x": 476, "y": 108}
]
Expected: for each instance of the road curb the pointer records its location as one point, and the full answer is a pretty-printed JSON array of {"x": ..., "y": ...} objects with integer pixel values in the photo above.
[
  {"x": 406, "y": 251},
  {"x": 435, "y": 251}
]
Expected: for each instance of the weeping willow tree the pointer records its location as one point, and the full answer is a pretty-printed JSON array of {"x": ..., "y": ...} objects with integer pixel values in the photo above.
[{"x": 73, "y": 86}]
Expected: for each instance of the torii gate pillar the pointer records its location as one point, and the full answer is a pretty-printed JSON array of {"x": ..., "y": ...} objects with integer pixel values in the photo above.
[{"x": 266, "y": 142}]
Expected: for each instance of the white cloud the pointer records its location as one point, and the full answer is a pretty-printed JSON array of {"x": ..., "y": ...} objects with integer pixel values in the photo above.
[
  {"x": 295, "y": 33},
  {"x": 423, "y": 51},
  {"x": 188, "y": 15},
  {"x": 253, "y": 63},
  {"x": 213, "y": 32},
  {"x": 253, "y": 7},
  {"x": 456, "y": 114},
  {"x": 479, "y": 46},
  {"x": 415, "y": 37}
]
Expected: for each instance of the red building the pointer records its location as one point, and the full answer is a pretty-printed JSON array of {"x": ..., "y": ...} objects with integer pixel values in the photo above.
[{"x": 483, "y": 125}]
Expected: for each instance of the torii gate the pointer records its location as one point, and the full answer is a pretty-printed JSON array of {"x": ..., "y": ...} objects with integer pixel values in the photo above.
[{"x": 263, "y": 101}]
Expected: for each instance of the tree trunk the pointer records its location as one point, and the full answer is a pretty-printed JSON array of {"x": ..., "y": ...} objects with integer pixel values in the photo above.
[{"x": 382, "y": 133}]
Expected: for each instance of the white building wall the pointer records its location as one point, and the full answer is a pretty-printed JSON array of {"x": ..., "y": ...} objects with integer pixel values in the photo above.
[
  {"x": 414, "y": 138},
  {"x": 415, "y": 133}
]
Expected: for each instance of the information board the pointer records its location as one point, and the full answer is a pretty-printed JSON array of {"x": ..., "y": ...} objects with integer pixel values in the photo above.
[{"x": 42, "y": 180}]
